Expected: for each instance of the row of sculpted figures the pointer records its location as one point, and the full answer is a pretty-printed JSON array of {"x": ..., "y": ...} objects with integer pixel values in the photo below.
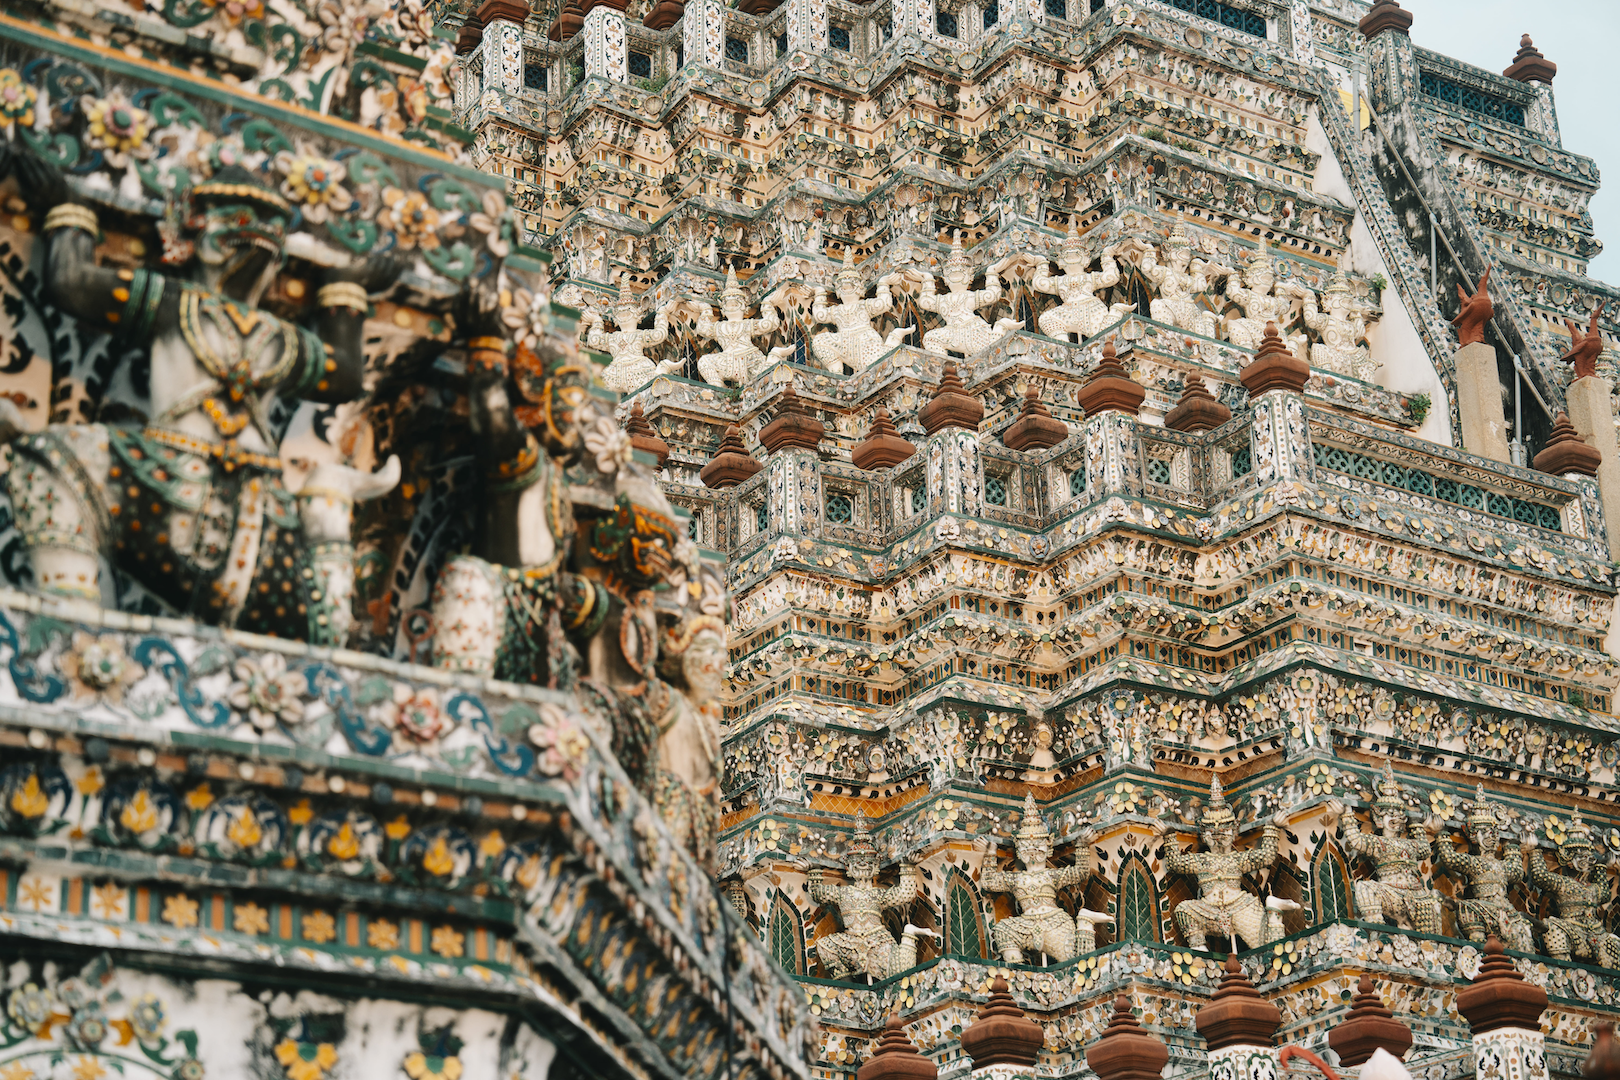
[
  {"x": 1091, "y": 290},
  {"x": 573, "y": 572},
  {"x": 1570, "y": 924}
]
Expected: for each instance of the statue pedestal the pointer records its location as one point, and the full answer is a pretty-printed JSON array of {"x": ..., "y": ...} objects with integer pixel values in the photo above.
[
  {"x": 1479, "y": 402},
  {"x": 1592, "y": 414}
]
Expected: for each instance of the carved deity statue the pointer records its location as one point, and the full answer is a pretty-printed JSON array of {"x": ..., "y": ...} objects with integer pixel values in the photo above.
[
  {"x": 738, "y": 359},
  {"x": 855, "y": 345},
  {"x": 1040, "y": 926},
  {"x": 964, "y": 331},
  {"x": 1341, "y": 321},
  {"x": 191, "y": 504},
  {"x": 1397, "y": 894},
  {"x": 692, "y": 667},
  {"x": 1080, "y": 313},
  {"x": 1223, "y": 907},
  {"x": 630, "y": 369},
  {"x": 1579, "y": 894},
  {"x": 1178, "y": 280},
  {"x": 1262, "y": 299},
  {"x": 1486, "y": 909},
  {"x": 865, "y": 946}
]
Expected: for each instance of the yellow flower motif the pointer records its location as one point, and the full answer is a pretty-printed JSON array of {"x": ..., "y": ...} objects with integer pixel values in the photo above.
[
  {"x": 305, "y": 1061},
  {"x": 108, "y": 900},
  {"x": 447, "y": 943},
  {"x": 529, "y": 872},
  {"x": 438, "y": 860},
  {"x": 251, "y": 919},
  {"x": 344, "y": 844},
  {"x": 16, "y": 1070},
  {"x": 493, "y": 844},
  {"x": 180, "y": 911},
  {"x": 17, "y": 100},
  {"x": 418, "y": 1066},
  {"x": 244, "y": 831},
  {"x": 30, "y": 800},
  {"x": 300, "y": 814},
  {"x": 398, "y": 829},
  {"x": 315, "y": 183},
  {"x": 89, "y": 1067},
  {"x": 115, "y": 125},
  {"x": 382, "y": 934},
  {"x": 319, "y": 927},
  {"x": 199, "y": 797},
  {"x": 92, "y": 781},
  {"x": 414, "y": 221},
  {"x": 140, "y": 814}
]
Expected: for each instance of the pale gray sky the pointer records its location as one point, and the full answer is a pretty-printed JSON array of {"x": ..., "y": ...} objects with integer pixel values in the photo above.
[{"x": 1583, "y": 38}]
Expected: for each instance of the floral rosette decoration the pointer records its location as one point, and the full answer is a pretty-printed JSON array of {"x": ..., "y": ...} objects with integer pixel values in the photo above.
[
  {"x": 314, "y": 184},
  {"x": 265, "y": 693},
  {"x": 562, "y": 742},
  {"x": 416, "y": 713},
  {"x": 234, "y": 12},
  {"x": 412, "y": 218},
  {"x": 117, "y": 128},
  {"x": 609, "y": 445},
  {"x": 98, "y": 667},
  {"x": 17, "y": 101}
]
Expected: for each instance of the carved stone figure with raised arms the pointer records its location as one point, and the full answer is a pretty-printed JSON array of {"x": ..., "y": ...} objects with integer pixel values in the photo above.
[
  {"x": 1486, "y": 910},
  {"x": 865, "y": 946},
  {"x": 964, "y": 331},
  {"x": 1580, "y": 894},
  {"x": 1263, "y": 300},
  {"x": 1341, "y": 320},
  {"x": 1179, "y": 279},
  {"x": 630, "y": 369},
  {"x": 1040, "y": 926},
  {"x": 1396, "y": 894},
  {"x": 1224, "y": 907},
  {"x": 855, "y": 345},
  {"x": 738, "y": 358},
  {"x": 1080, "y": 313},
  {"x": 191, "y": 505}
]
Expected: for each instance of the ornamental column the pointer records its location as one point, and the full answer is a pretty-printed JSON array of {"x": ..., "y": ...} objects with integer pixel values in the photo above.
[
  {"x": 1003, "y": 1042},
  {"x": 605, "y": 44},
  {"x": 807, "y": 26},
  {"x": 1240, "y": 1027},
  {"x": 1112, "y": 401},
  {"x": 703, "y": 32},
  {"x": 502, "y": 42},
  {"x": 1275, "y": 380},
  {"x": 790, "y": 440},
  {"x": 1592, "y": 416},
  {"x": 955, "y": 473},
  {"x": 1504, "y": 1012}
]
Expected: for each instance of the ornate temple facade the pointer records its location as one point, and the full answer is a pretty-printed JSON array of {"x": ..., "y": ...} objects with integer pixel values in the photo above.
[{"x": 1163, "y": 454}]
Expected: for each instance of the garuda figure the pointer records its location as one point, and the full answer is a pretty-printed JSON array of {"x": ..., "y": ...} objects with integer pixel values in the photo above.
[
  {"x": 1262, "y": 299},
  {"x": 865, "y": 946},
  {"x": 1341, "y": 320},
  {"x": 1486, "y": 909},
  {"x": 1396, "y": 894},
  {"x": 1080, "y": 313},
  {"x": 1575, "y": 930},
  {"x": 964, "y": 331},
  {"x": 1041, "y": 926},
  {"x": 738, "y": 359},
  {"x": 1179, "y": 279},
  {"x": 855, "y": 345},
  {"x": 630, "y": 369},
  {"x": 1224, "y": 907},
  {"x": 191, "y": 504}
]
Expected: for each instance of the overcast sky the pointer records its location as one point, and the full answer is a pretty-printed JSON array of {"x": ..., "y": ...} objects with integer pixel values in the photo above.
[{"x": 1583, "y": 38}]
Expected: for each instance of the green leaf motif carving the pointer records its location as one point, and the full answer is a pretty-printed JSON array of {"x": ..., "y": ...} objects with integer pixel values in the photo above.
[
  {"x": 454, "y": 262},
  {"x": 962, "y": 937},
  {"x": 358, "y": 236}
]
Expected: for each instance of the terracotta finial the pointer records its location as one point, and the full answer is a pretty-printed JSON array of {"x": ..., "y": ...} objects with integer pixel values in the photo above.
[
  {"x": 1369, "y": 1026},
  {"x": 1002, "y": 1034},
  {"x": 664, "y": 14},
  {"x": 1124, "y": 1051},
  {"x": 1036, "y": 428},
  {"x": 731, "y": 464},
  {"x": 1237, "y": 1015},
  {"x": 1566, "y": 453},
  {"x": 1111, "y": 386},
  {"x": 793, "y": 426},
  {"x": 1584, "y": 349},
  {"x": 1197, "y": 410},
  {"x": 1474, "y": 313},
  {"x": 882, "y": 446},
  {"x": 471, "y": 33},
  {"x": 642, "y": 435},
  {"x": 895, "y": 1058},
  {"x": 1274, "y": 367},
  {"x": 512, "y": 11},
  {"x": 570, "y": 21},
  {"x": 1603, "y": 1063},
  {"x": 1385, "y": 15},
  {"x": 951, "y": 404},
  {"x": 1499, "y": 997},
  {"x": 1529, "y": 65}
]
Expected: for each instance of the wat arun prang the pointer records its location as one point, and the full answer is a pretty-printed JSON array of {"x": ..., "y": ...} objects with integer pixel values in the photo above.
[{"x": 657, "y": 542}]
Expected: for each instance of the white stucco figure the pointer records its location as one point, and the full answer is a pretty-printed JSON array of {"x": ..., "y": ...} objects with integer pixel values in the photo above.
[
  {"x": 1341, "y": 320},
  {"x": 1080, "y": 312},
  {"x": 630, "y": 369},
  {"x": 1178, "y": 279},
  {"x": 738, "y": 359},
  {"x": 854, "y": 345},
  {"x": 1262, "y": 300},
  {"x": 964, "y": 331}
]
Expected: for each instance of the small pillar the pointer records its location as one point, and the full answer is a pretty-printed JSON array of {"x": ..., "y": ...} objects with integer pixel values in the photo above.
[
  {"x": 896, "y": 1058},
  {"x": 1592, "y": 417},
  {"x": 731, "y": 464},
  {"x": 882, "y": 446},
  {"x": 807, "y": 26},
  {"x": 1197, "y": 410},
  {"x": 951, "y": 405},
  {"x": 501, "y": 39},
  {"x": 1275, "y": 380},
  {"x": 1240, "y": 1027},
  {"x": 1003, "y": 1039},
  {"x": 1125, "y": 1051},
  {"x": 1369, "y": 1027},
  {"x": 605, "y": 54},
  {"x": 642, "y": 435},
  {"x": 1479, "y": 402},
  {"x": 703, "y": 33},
  {"x": 1503, "y": 1011},
  {"x": 1036, "y": 428},
  {"x": 1110, "y": 388}
]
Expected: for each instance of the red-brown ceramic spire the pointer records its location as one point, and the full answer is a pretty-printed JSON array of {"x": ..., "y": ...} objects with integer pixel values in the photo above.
[
  {"x": 642, "y": 435},
  {"x": 882, "y": 446},
  {"x": 1385, "y": 15},
  {"x": 1274, "y": 367},
  {"x": 1124, "y": 1051},
  {"x": 1566, "y": 453},
  {"x": 1237, "y": 1015},
  {"x": 1499, "y": 997},
  {"x": 896, "y": 1058},
  {"x": 1370, "y": 1026},
  {"x": 731, "y": 464},
  {"x": 1036, "y": 428},
  {"x": 1530, "y": 65},
  {"x": 793, "y": 426},
  {"x": 951, "y": 405},
  {"x": 1111, "y": 387},
  {"x": 1002, "y": 1035},
  {"x": 1197, "y": 410}
]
